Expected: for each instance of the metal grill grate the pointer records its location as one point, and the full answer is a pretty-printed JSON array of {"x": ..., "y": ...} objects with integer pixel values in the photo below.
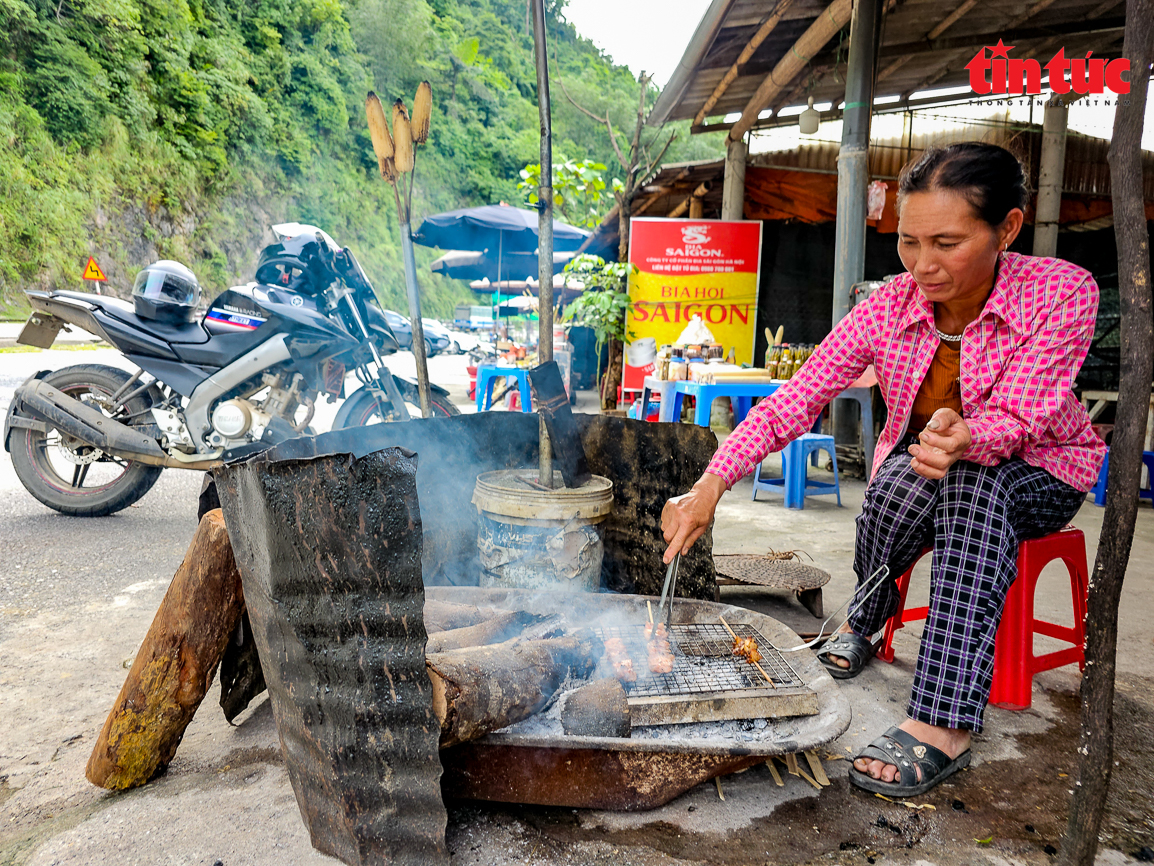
[{"x": 703, "y": 661}]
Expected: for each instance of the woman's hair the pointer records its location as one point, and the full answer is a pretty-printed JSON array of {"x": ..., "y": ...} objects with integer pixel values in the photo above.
[{"x": 989, "y": 177}]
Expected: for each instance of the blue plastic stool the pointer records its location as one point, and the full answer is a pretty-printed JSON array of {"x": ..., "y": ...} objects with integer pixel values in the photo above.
[
  {"x": 487, "y": 377},
  {"x": 796, "y": 484},
  {"x": 1099, "y": 488}
]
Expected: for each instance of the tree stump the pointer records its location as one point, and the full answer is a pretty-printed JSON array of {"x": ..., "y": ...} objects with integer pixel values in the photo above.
[{"x": 174, "y": 666}]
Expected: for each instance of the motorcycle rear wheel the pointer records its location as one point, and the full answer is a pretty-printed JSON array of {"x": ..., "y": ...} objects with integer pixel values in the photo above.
[
  {"x": 44, "y": 462},
  {"x": 361, "y": 409}
]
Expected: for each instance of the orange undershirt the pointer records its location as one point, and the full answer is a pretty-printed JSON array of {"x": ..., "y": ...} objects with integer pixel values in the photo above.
[{"x": 940, "y": 389}]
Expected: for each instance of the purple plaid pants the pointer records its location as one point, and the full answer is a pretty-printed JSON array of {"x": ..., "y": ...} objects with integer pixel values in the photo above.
[{"x": 974, "y": 519}]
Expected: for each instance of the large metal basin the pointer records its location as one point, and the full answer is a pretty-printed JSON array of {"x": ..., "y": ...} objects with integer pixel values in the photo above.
[{"x": 656, "y": 764}]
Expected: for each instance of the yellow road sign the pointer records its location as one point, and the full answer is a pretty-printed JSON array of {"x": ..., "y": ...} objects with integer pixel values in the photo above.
[{"x": 92, "y": 271}]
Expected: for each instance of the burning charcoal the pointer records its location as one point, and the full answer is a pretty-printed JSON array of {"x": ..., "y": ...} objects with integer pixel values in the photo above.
[{"x": 599, "y": 709}]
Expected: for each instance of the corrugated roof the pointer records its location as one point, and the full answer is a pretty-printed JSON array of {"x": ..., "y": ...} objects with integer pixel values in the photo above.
[
  {"x": 909, "y": 60},
  {"x": 1087, "y": 172}
]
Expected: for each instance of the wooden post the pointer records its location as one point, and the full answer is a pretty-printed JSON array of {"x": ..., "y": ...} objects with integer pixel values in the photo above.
[
  {"x": 1097, "y": 741},
  {"x": 733, "y": 191}
]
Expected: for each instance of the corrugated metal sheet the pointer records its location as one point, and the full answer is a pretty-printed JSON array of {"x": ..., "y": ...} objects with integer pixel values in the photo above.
[
  {"x": 329, "y": 551},
  {"x": 1087, "y": 170}
]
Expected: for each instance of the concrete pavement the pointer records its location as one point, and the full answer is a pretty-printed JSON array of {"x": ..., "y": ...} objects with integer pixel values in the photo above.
[{"x": 77, "y": 596}]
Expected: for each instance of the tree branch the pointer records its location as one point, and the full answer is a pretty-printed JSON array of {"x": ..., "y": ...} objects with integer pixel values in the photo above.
[
  {"x": 604, "y": 121},
  {"x": 649, "y": 168},
  {"x": 1096, "y": 748},
  {"x": 616, "y": 148}
]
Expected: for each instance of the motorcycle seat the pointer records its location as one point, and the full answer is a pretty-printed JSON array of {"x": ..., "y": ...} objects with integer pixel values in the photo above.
[{"x": 123, "y": 311}]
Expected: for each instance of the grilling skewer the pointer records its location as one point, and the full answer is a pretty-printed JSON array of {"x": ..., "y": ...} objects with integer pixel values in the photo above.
[
  {"x": 876, "y": 580},
  {"x": 768, "y": 679}
]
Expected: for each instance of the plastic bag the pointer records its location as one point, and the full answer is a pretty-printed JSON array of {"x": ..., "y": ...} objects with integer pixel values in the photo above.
[{"x": 695, "y": 333}]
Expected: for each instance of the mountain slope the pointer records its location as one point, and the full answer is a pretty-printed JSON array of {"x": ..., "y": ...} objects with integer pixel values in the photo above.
[{"x": 144, "y": 129}]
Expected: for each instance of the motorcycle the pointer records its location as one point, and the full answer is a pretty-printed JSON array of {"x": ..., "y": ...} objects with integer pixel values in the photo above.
[{"x": 90, "y": 440}]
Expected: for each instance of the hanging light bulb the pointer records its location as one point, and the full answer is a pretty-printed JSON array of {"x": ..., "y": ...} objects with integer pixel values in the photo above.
[{"x": 808, "y": 120}]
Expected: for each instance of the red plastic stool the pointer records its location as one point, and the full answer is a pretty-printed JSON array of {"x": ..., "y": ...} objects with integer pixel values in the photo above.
[{"x": 1014, "y": 661}]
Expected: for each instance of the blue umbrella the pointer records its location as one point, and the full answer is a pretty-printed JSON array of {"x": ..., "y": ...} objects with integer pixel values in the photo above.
[
  {"x": 498, "y": 228},
  {"x": 494, "y": 230},
  {"x": 466, "y": 265}
]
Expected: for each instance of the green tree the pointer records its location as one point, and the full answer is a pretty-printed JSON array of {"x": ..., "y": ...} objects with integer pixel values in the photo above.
[
  {"x": 603, "y": 306},
  {"x": 579, "y": 190}
]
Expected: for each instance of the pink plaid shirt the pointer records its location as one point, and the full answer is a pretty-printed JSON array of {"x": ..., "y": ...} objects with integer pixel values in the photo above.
[{"x": 1018, "y": 363}]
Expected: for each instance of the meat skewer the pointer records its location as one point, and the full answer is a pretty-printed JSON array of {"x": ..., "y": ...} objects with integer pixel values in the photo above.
[
  {"x": 740, "y": 649},
  {"x": 660, "y": 652},
  {"x": 618, "y": 656}
]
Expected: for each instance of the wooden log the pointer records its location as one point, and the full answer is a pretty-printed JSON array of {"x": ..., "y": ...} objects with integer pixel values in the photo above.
[
  {"x": 491, "y": 631},
  {"x": 481, "y": 689},
  {"x": 447, "y": 615},
  {"x": 599, "y": 709},
  {"x": 174, "y": 666}
]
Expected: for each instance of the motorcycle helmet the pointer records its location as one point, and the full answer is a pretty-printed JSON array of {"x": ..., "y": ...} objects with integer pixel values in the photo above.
[
  {"x": 166, "y": 291},
  {"x": 294, "y": 262}
]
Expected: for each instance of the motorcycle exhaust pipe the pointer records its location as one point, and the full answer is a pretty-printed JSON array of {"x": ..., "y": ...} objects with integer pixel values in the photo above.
[{"x": 74, "y": 418}]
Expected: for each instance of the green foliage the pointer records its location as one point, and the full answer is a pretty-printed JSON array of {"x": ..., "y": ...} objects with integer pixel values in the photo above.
[
  {"x": 135, "y": 129},
  {"x": 579, "y": 190},
  {"x": 605, "y": 301}
]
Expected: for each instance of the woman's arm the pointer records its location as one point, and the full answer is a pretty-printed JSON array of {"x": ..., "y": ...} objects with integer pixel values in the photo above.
[
  {"x": 771, "y": 425},
  {"x": 776, "y": 421},
  {"x": 1037, "y": 380}
]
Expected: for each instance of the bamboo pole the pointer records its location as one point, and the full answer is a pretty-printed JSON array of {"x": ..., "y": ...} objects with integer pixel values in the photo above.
[
  {"x": 808, "y": 44},
  {"x": 544, "y": 232},
  {"x": 747, "y": 52}
]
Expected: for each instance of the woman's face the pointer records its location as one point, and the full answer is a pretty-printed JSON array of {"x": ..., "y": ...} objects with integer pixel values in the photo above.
[{"x": 950, "y": 251}]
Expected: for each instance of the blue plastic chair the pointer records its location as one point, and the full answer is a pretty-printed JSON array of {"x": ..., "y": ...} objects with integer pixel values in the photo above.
[
  {"x": 487, "y": 377},
  {"x": 796, "y": 484},
  {"x": 1099, "y": 488}
]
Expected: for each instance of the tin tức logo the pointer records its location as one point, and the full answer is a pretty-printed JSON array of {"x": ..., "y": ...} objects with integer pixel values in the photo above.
[{"x": 1000, "y": 73}]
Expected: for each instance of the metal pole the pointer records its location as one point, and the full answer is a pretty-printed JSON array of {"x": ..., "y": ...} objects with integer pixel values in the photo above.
[
  {"x": 853, "y": 179},
  {"x": 544, "y": 230},
  {"x": 415, "y": 315},
  {"x": 1051, "y": 169}
]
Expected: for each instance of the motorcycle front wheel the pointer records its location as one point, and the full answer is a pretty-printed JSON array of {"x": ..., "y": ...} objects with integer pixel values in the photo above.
[
  {"x": 361, "y": 409},
  {"x": 71, "y": 476}
]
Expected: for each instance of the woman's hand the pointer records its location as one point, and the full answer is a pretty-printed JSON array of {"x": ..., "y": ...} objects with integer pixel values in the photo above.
[
  {"x": 943, "y": 443},
  {"x": 684, "y": 518}
]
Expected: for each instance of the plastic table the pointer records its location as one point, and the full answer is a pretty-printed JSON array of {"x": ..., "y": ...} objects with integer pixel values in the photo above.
[{"x": 740, "y": 394}]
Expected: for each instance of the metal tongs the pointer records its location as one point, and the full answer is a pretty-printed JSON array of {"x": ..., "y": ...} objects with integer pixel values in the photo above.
[
  {"x": 663, "y": 613},
  {"x": 876, "y": 580}
]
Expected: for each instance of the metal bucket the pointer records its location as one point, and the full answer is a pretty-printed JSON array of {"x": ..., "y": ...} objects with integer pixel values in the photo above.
[{"x": 532, "y": 538}]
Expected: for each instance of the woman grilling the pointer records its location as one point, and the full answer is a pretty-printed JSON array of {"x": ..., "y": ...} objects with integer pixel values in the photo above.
[{"x": 975, "y": 350}]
